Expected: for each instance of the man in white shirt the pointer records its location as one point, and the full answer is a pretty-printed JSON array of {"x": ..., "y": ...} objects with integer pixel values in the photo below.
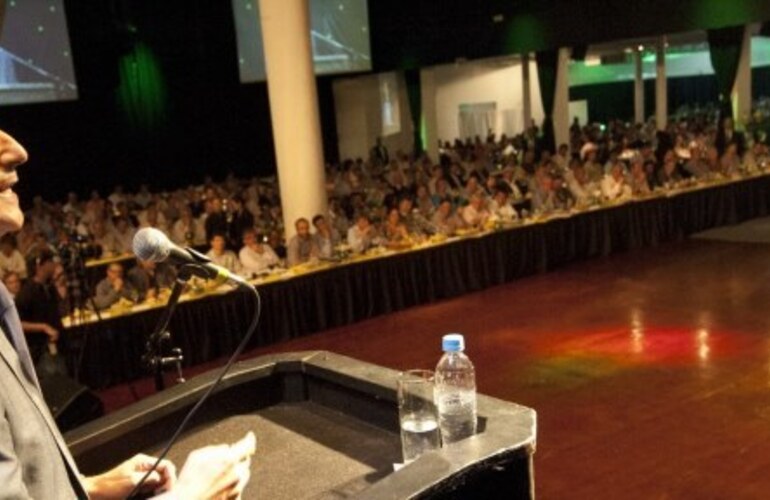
[
  {"x": 475, "y": 213},
  {"x": 256, "y": 257},
  {"x": 500, "y": 207},
  {"x": 361, "y": 235},
  {"x": 614, "y": 185}
]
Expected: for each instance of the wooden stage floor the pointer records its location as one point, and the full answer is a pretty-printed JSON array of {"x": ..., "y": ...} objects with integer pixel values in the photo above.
[{"x": 650, "y": 371}]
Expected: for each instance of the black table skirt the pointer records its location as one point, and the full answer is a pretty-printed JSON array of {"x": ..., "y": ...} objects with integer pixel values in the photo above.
[{"x": 109, "y": 352}]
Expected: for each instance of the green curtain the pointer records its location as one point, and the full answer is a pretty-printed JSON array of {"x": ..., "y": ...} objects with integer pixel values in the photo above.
[
  {"x": 142, "y": 92},
  {"x": 725, "y": 51},
  {"x": 412, "y": 77},
  {"x": 547, "y": 65}
]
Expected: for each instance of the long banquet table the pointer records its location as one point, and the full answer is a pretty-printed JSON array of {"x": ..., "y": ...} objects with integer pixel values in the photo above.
[{"x": 300, "y": 302}]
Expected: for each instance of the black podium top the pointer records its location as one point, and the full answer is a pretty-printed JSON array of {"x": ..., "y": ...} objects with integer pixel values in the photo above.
[{"x": 327, "y": 427}]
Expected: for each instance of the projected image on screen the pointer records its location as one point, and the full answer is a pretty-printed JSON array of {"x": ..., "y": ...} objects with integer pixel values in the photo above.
[
  {"x": 339, "y": 32},
  {"x": 35, "y": 58}
]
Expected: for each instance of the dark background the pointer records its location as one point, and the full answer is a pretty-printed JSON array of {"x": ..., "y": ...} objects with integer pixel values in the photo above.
[{"x": 215, "y": 124}]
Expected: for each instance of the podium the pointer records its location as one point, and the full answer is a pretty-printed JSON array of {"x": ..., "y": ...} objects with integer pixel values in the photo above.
[{"x": 326, "y": 426}]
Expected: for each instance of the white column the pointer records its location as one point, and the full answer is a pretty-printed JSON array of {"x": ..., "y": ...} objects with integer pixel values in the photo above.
[
  {"x": 741, "y": 95},
  {"x": 638, "y": 88},
  {"x": 293, "y": 109},
  {"x": 526, "y": 92},
  {"x": 429, "y": 115},
  {"x": 561, "y": 118},
  {"x": 661, "y": 89}
]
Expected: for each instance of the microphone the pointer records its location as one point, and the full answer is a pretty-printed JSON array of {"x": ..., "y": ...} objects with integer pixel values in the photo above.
[{"x": 152, "y": 245}]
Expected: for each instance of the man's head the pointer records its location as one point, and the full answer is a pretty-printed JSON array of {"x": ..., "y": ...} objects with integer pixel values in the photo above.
[
  {"x": 303, "y": 227},
  {"x": 12, "y": 154},
  {"x": 115, "y": 271},
  {"x": 41, "y": 264},
  {"x": 250, "y": 239}
]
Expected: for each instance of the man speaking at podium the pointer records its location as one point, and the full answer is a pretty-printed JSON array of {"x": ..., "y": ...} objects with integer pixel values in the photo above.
[{"x": 34, "y": 459}]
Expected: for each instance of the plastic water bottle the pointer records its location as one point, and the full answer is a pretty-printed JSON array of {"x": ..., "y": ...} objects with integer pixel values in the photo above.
[{"x": 455, "y": 391}]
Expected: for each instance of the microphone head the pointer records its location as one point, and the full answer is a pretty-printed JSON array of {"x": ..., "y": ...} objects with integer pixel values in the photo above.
[{"x": 152, "y": 245}]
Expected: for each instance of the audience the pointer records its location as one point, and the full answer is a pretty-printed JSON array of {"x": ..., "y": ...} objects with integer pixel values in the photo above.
[{"x": 392, "y": 202}]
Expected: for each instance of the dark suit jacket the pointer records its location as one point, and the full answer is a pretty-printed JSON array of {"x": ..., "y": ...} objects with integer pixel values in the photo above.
[{"x": 34, "y": 459}]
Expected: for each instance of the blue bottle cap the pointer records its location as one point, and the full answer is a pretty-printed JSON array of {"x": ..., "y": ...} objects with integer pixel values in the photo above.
[{"x": 453, "y": 342}]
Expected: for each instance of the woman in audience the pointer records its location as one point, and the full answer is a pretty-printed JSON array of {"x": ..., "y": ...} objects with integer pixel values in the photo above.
[{"x": 222, "y": 257}]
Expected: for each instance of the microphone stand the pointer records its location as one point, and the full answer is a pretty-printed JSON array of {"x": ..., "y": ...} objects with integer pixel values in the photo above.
[{"x": 153, "y": 357}]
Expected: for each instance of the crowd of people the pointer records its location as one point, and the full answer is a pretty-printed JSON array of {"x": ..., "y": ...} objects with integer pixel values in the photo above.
[{"x": 379, "y": 202}]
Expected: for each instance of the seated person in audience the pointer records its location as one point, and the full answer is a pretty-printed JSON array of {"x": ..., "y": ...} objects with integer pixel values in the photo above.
[
  {"x": 38, "y": 304},
  {"x": 443, "y": 192},
  {"x": 221, "y": 256},
  {"x": 187, "y": 230},
  {"x": 424, "y": 202},
  {"x": 12, "y": 282},
  {"x": 696, "y": 165},
  {"x": 302, "y": 247},
  {"x": 147, "y": 278},
  {"x": 475, "y": 213},
  {"x": 578, "y": 183},
  {"x": 11, "y": 260},
  {"x": 614, "y": 185},
  {"x": 446, "y": 220},
  {"x": 593, "y": 167},
  {"x": 638, "y": 178},
  {"x": 152, "y": 217},
  {"x": 113, "y": 288},
  {"x": 563, "y": 198},
  {"x": 395, "y": 231},
  {"x": 105, "y": 239},
  {"x": 543, "y": 195},
  {"x": 256, "y": 257},
  {"x": 669, "y": 171},
  {"x": 362, "y": 235},
  {"x": 500, "y": 206},
  {"x": 325, "y": 237},
  {"x": 730, "y": 162},
  {"x": 123, "y": 235},
  {"x": 507, "y": 175},
  {"x": 757, "y": 156}
]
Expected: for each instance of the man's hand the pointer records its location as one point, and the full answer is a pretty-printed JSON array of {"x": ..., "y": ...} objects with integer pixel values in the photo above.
[
  {"x": 53, "y": 333},
  {"x": 216, "y": 472},
  {"x": 120, "y": 481},
  {"x": 117, "y": 284}
]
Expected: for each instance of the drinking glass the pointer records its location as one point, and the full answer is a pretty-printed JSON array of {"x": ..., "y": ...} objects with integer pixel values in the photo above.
[{"x": 417, "y": 414}]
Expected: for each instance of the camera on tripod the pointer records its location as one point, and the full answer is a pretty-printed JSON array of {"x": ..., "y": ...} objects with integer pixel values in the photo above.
[{"x": 78, "y": 247}]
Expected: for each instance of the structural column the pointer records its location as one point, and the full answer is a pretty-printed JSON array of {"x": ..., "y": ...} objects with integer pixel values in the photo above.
[
  {"x": 294, "y": 109},
  {"x": 561, "y": 118},
  {"x": 741, "y": 95},
  {"x": 429, "y": 115},
  {"x": 661, "y": 88},
  {"x": 526, "y": 92},
  {"x": 638, "y": 88}
]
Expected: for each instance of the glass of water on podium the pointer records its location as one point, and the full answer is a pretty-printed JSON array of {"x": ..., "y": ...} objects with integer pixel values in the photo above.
[{"x": 417, "y": 414}]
